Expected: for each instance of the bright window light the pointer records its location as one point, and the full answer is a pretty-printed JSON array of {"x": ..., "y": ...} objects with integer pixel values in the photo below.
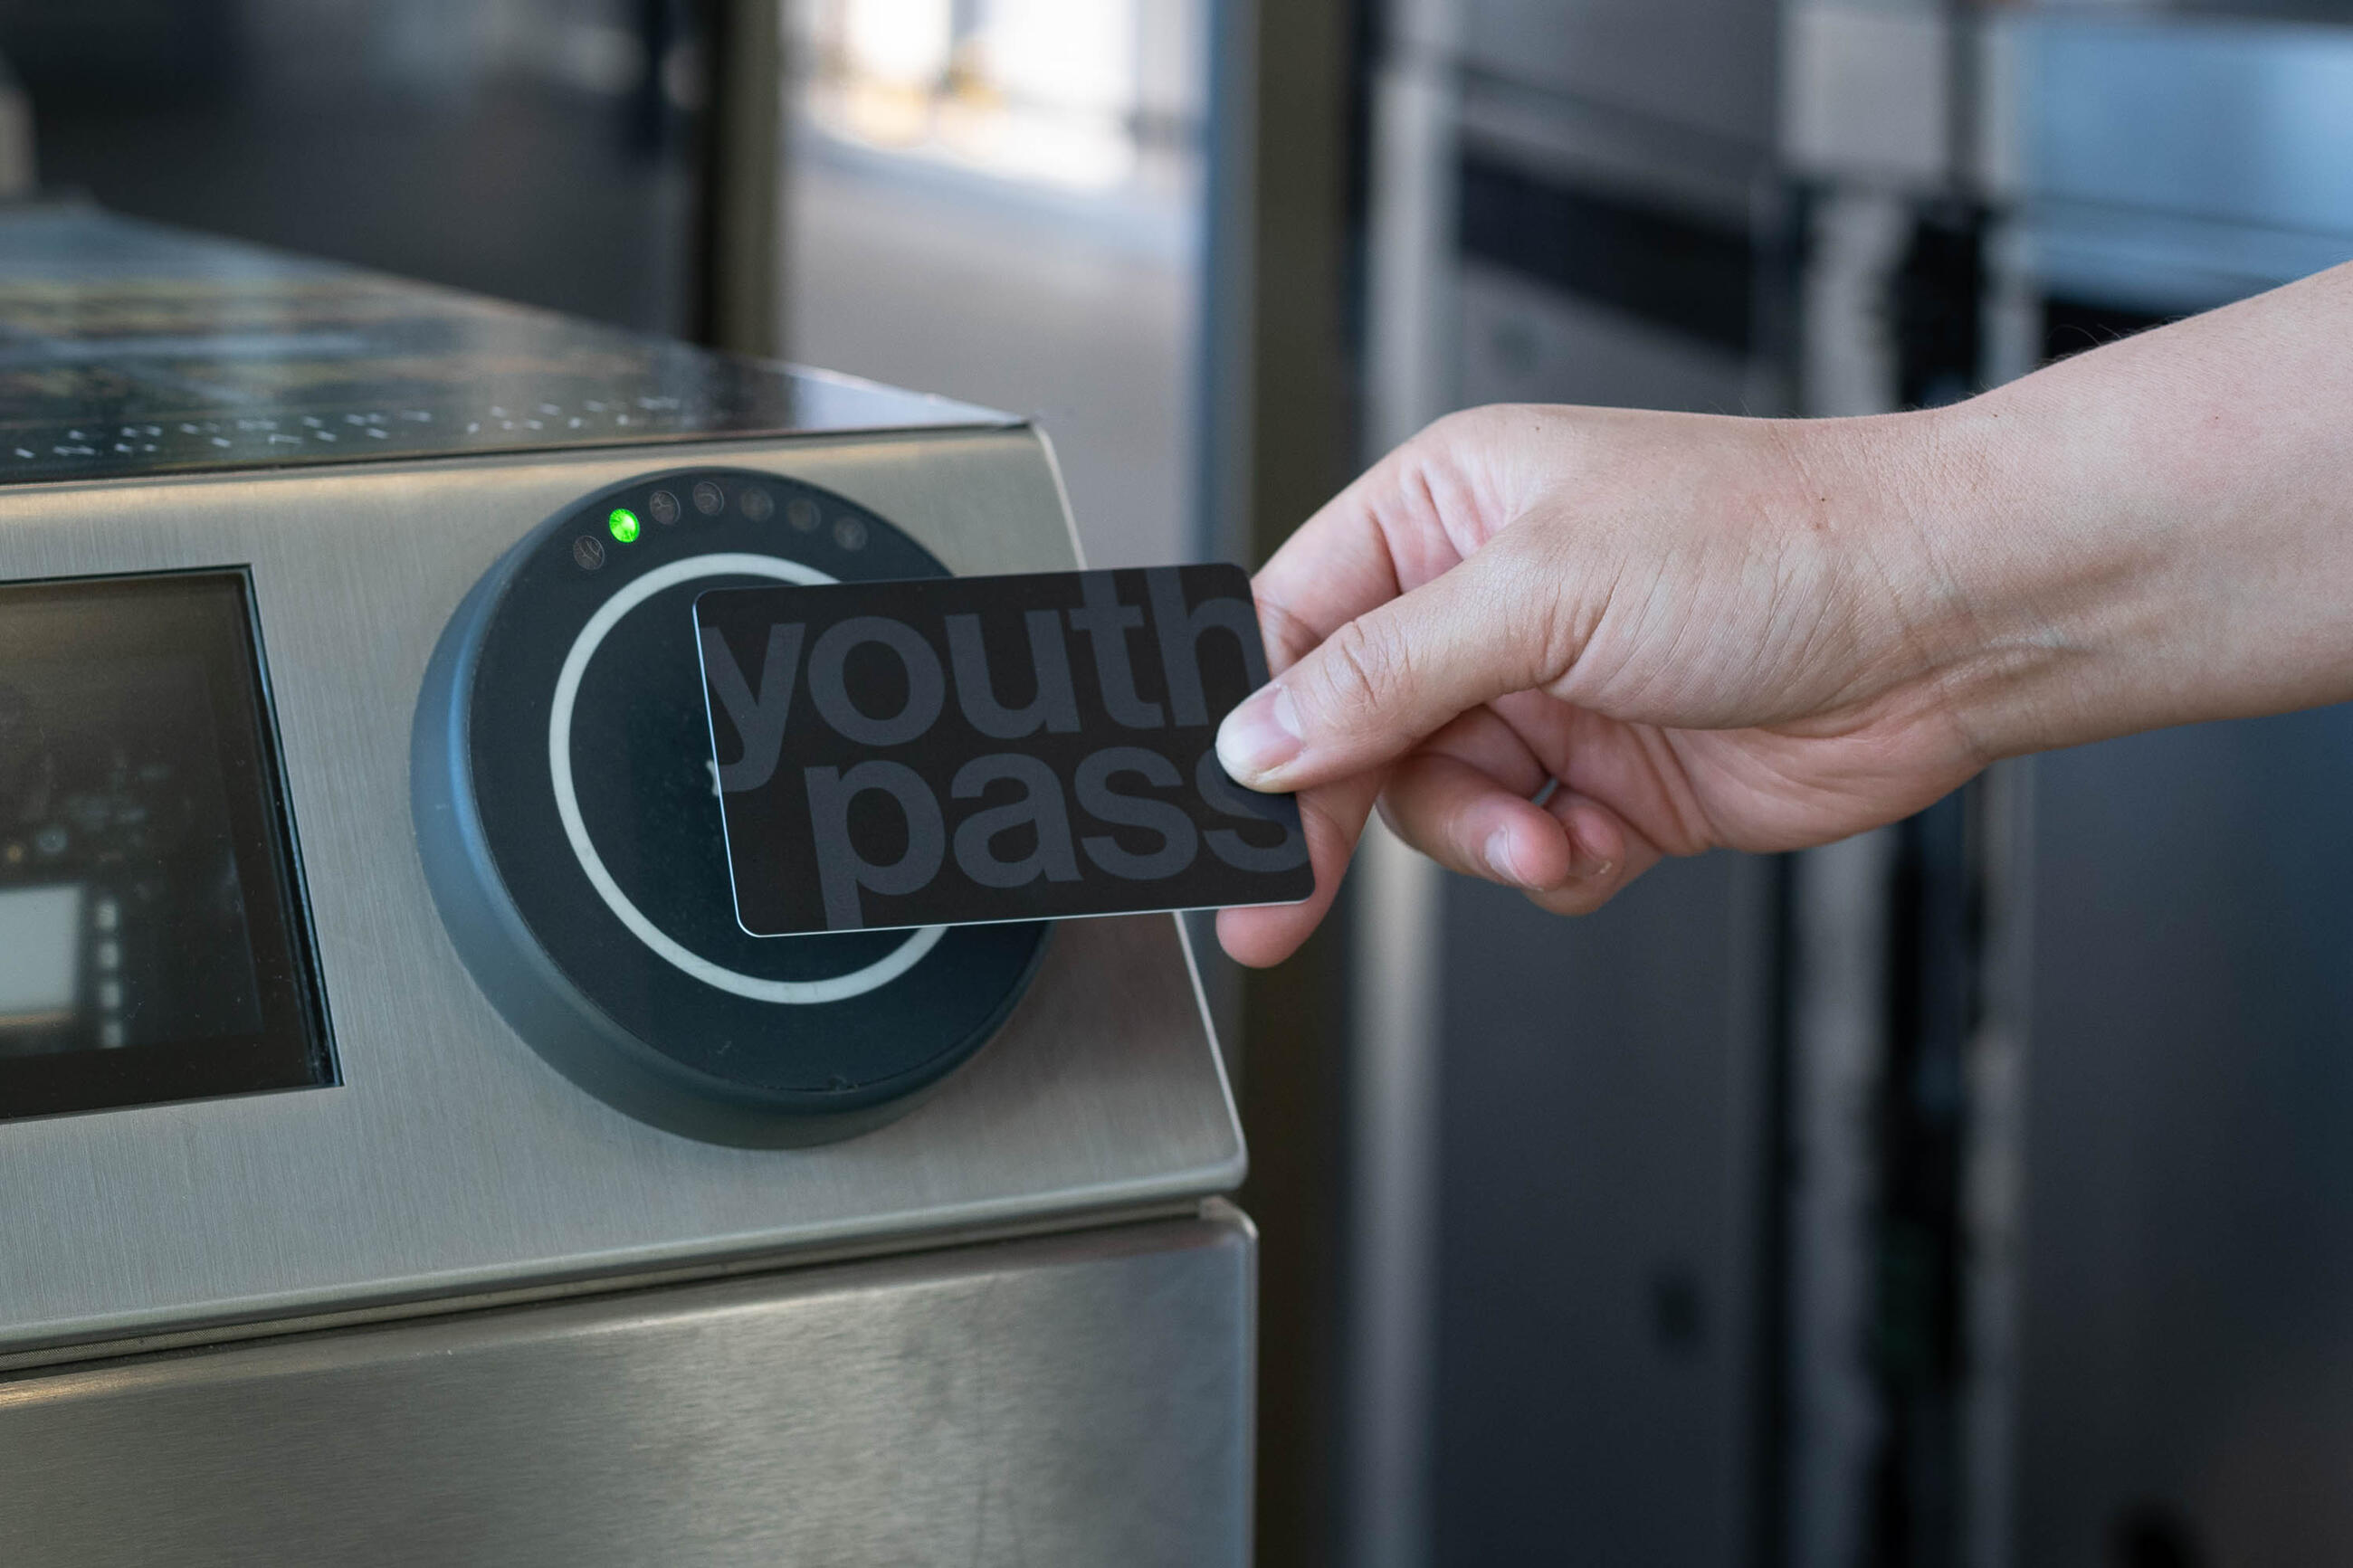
[
  {"x": 1077, "y": 55},
  {"x": 1044, "y": 91},
  {"x": 899, "y": 43}
]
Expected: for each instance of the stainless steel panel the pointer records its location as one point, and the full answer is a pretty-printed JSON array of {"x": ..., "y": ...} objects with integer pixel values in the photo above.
[
  {"x": 2185, "y": 1275},
  {"x": 2235, "y": 121},
  {"x": 1603, "y": 1123},
  {"x": 2172, "y": 164},
  {"x": 1708, "y": 66},
  {"x": 1522, "y": 342},
  {"x": 1839, "y": 1007},
  {"x": 1867, "y": 93},
  {"x": 1583, "y": 146},
  {"x": 453, "y": 1159},
  {"x": 1083, "y": 1400},
  {"x": 2158, "y": 262}
]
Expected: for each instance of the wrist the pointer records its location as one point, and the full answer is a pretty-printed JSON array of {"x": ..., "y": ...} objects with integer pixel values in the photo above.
[
  {"x": 2048, "y": 566},
  {"x": 2011, "y": 581},
  {"x": 1953, "y": 616},
  {"x": 2155, "y": 532}
]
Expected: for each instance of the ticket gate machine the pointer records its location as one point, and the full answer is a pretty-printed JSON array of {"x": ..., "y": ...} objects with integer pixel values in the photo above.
[{"x": 404, "y": 1155}]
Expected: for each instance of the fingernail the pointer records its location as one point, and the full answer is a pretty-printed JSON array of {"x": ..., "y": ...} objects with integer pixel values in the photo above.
[
  {"x": 1262, "y": 736},
  {"x": 1498, "y": 855},
  {"x": 1584, "y": 865}
]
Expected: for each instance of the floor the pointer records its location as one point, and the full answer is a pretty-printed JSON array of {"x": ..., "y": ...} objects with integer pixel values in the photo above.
[{"x": 1083, "y": 321}]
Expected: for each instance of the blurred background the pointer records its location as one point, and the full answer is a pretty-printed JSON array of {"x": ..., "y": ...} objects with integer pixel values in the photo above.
[{"x": 1977, "y": 1193}]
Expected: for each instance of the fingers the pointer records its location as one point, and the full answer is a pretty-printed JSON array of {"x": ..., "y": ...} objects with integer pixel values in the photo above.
[
  {"x": 1394, "y": 529},
  {"x": 1463, "y": 801},
  {"x": 1333, "y": 817},
  {"x": 1385, "y": 619},
  {"x": 1609, "y": 853},
  {"x": 1380, "y": 684},
  {"x": 1386, "y": 533},
  {"x": 1572, "y": 858},
  {"x": 1463, "y": 819}
]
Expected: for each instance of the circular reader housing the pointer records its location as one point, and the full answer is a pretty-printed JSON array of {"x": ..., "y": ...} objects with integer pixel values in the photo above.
[{"x": 567, "y": 810}]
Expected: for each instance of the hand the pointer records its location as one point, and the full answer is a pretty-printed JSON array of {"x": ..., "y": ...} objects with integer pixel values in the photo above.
[
  {"x": 1686, "y": 621},
  {"x": 1769, "y": 634}
]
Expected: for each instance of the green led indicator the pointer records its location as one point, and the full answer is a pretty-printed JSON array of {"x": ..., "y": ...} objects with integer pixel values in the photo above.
[{"x": 624, "y": 524}]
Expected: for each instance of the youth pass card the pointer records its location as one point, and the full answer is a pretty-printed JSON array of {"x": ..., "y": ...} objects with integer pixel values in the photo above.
[{"x": 962, "y": 750}]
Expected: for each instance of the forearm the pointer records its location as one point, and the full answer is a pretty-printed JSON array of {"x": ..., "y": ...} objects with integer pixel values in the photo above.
[{"x": 2153, "y": 533}]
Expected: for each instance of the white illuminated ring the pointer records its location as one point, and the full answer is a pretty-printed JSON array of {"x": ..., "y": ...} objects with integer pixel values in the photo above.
[{"x": 840, "y": 988}]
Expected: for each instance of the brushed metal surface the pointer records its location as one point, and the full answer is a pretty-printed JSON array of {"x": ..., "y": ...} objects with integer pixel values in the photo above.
[
  {"x": 1704, "y": 67},
  {"x": 1083, "y": 1400},
  {"x": 453, "y": 1159}
]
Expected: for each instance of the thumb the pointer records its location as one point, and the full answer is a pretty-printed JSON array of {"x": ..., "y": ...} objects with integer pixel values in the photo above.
[{"x": 1380, "y": 684}]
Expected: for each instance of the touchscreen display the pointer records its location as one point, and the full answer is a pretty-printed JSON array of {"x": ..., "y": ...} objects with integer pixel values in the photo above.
[{"x": 151, "y": 940}]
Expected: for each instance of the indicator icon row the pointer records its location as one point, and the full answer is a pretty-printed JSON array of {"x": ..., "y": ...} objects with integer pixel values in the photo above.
[{"x": 709, "y": 497}]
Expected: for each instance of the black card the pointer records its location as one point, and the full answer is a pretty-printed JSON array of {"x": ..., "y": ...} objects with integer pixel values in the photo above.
[{"x": 962, "y": 750}]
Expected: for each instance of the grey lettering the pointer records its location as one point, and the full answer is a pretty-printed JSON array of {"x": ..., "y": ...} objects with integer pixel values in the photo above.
[
  {"x": 1106, "y": 622},
  {"x": 1180, "y": 631},
  {"x": 1232, "y": 800},
  {"x": 758, "y": 717},
  {"x": 1040, "y": 806},
  {"x": 841, "y": 870},
  {"x": 926, "y": 687},
  {"x": 1055, "y": 706},
  {"x": 1178, "y": 841}
]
